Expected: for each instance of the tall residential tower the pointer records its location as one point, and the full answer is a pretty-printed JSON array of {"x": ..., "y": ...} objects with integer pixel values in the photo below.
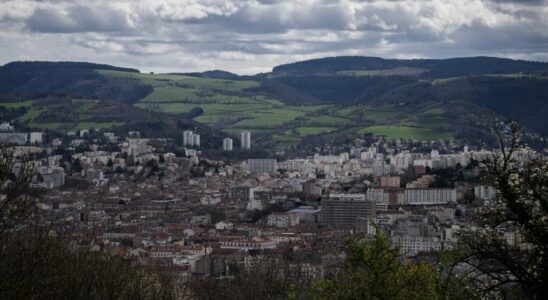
[{"x": 245, "y": 140}]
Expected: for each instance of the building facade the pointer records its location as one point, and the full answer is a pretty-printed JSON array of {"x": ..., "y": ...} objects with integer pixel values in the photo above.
[
  {"x": 227, "y": 144},
  {"x": 245, "y": 140},
  {"x": 282, "y": 220},
  {"x": 430, "y": 196},
  {"x": 261, "y": 165},
  {"x": 344, "y": 209}
]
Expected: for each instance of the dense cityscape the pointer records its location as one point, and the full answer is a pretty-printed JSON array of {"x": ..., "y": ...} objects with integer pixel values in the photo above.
[
  {"x": 201, "y": 217},
  {"x": 273, "y": 149}
]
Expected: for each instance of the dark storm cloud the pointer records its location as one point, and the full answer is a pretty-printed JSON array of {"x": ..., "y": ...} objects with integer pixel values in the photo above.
[{"x": 507, "y": 38}]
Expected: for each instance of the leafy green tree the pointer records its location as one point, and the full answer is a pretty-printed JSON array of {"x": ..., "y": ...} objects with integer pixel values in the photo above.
[
  {"x": 76, "y": 166},
  {"x": 374, "y": 270}
]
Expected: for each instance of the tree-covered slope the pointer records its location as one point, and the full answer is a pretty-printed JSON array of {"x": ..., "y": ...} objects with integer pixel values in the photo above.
[
  {"x": 422, "y": 99},
  {"x": 431, "y": 68},
  {"x": 524, "y": 99},
  {"x": 71, "y": 78}
]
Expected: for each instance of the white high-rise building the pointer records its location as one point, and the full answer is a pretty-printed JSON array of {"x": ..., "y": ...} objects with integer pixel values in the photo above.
[
  {"x": 36, "y": 137},
  {"x": 196, "y": 140},
  {"x": 227, "y": 144},
  {"x": 485, "y": 192},
  {"x": 137, "y": 147},
  {"x": 191, "y": 139},
  {"x": 188, "y": 138},
  {"x": 245, "y": 140}
]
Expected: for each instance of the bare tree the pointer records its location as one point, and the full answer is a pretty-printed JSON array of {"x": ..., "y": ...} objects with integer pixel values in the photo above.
[
  {"x": 16, "y": 199},
  {"x": 507, "y": 249}
]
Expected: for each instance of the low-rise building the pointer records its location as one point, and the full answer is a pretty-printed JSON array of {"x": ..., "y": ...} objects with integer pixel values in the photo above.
[
  {"x": 430, "y": 196},
  {"x": 282, "y": 220}
]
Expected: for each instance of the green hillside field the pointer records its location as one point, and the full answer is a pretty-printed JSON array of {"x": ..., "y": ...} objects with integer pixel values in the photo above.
[{"x": 230, "y": 105}]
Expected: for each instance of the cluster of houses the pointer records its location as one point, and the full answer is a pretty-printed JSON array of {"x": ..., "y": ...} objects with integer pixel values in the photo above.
[{"x": 208, "y": 218}]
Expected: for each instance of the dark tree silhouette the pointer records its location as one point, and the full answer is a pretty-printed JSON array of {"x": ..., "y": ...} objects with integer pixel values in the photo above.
[{"x": 507, "y": 249}]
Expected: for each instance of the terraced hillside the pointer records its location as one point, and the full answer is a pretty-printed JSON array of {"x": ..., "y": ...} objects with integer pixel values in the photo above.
[
  {"x": 66, "y": 113},
  {"x": 237, "y": 105},
  {"x": 329, "y": 99},
  {"x": 233, "y": 106}
]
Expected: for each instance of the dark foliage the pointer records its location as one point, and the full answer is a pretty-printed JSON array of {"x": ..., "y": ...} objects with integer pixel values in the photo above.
[
  {"x": 193, "y": 113},
  {"x": 36, "y": 265},
  {"x": 41, "y": 267},
  {"x": 284, "y": 92},
  {"x": 501, "y": 268},
  {"x": 436, "y": 67},
  {"x": 345, "y": 89},
  {"x": 71, "y": 78},
  {"x": 219, "y": 74},
  {"x": 522, "y": 99}
]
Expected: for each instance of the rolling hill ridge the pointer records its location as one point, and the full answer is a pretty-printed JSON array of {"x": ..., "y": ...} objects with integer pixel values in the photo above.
[{"x": 332, "y": 97}]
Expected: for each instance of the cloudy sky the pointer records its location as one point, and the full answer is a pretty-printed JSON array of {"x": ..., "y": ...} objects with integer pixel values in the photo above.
[{"x": 250, "y": 36}]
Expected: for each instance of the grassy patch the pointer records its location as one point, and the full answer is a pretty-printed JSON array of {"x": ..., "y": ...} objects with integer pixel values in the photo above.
[
  {"x": 518, "y": 75},
  {"x": 360, "y": 73},
  {"x": 96, "y": 125},
  {"x": 270, "y": 118},
  {"x": 405, "y": 132},
  {"x": 349, "y": 110},
  {"x": 184, "y": 81},
  {"x": 86, "y": 106},
  {"x": 328, "y": 120},
  {"x": 209, "y": 109},
  {"x": 163, "y": 93},
  {"x": 51, "y": 125},
  {"x": 31, "y": 114},
  {"x": 435, "y": 111},
  {"x": 79, "y": 126},
  {"x": 302, "y": 131},
  {"x": 446, "y": 80},
  {"x": 401, "y": 71},
  {"x": 380, "y": 114},
  {"x": 27, "y": 103}
]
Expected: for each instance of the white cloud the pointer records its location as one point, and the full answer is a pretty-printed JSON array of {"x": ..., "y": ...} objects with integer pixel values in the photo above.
[{"x": 253, "y": 35}]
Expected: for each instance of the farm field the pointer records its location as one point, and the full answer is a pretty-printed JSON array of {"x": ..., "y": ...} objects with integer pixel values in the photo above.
[
  {"x": 78, "y": 126},
  {"x": 82, "y": 109},
  {"x": 406, "y": 132},
  {"x": 98, "y": 125},
  {"x": 31, "y": 112},
  {"x": 229, "y": 105},
  {"x": 27, "y": 103},
  {"x": 302, "y": 131},
  {"x": 401, "y": 71}
]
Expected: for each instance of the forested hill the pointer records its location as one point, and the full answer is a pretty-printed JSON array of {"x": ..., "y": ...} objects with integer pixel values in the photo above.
[
  {"x": 71, "y": 78},
  {"x": 331, "y": 98},
  {"x": 219, "y": 74},
  {"x": 514, "y": 89},
  {"x": 40, "y": 66},
  {"x": 426, "y": 68}
]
